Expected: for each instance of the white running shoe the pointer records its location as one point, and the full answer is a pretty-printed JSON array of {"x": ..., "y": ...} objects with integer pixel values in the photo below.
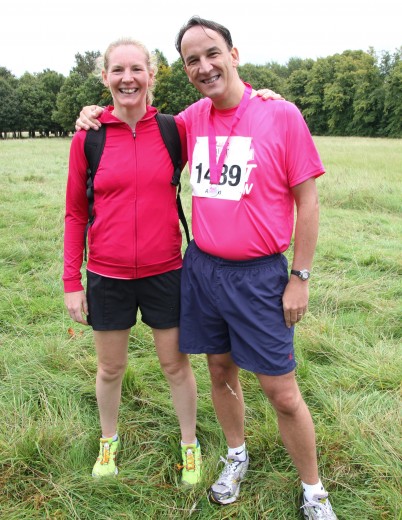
[
  {"x": 227, "y": 488},
  {"x": 319, "y": 508}
]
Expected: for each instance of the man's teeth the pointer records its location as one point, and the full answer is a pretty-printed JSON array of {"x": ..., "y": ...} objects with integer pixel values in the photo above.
[{"x": 211, "y": 80}]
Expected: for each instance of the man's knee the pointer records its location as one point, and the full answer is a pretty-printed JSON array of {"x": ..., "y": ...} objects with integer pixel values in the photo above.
[
  {"x": 283, "y": 393},
  {"x": 223, "y": 371},
  {"x": 287, "y": 402}
]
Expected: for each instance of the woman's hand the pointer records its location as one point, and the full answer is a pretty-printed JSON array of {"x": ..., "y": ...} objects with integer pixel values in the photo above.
[{"x": 77, "y": 306}]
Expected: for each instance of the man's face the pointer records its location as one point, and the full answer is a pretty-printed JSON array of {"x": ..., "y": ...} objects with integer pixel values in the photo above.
[{"x": 210, "y": 65}]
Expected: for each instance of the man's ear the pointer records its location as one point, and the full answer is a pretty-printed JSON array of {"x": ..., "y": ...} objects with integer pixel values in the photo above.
[{"x": 235, "y": 56}]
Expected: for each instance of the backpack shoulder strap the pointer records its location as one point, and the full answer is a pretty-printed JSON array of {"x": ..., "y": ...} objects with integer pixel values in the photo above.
[
  {"x": 93, "y": 148},
  {"x": 171, "y": 138}
]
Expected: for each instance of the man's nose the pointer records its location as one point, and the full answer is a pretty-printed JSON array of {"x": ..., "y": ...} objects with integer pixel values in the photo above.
[{"x": 205, "y": 65}]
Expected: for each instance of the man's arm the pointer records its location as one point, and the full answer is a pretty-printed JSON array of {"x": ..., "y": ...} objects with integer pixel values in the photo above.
[
  {"x": 89, "y": 114},
  {"x": 295, "y": 297},
  {"x": 88, "y": 118}
]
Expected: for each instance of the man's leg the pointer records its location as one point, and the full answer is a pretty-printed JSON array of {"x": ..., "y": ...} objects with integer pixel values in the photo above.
[
  {"x": 295, "y": 423},
  {"x": 227, "y": 397},
  {"x": 297, "y": 432}
]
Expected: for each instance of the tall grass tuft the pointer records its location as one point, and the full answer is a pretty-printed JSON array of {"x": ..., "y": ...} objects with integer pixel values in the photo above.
[{"x": 348, "y": 350}]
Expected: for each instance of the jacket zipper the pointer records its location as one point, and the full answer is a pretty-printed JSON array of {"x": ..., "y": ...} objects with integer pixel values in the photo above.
[{"x": 135, "y": 209}]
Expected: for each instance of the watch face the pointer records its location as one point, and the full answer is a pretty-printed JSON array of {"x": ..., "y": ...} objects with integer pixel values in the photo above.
[{"x": 304, "y": 274}]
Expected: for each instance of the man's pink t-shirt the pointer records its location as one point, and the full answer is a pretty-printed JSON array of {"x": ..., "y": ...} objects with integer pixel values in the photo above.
[{"x": 271, "y": 150}]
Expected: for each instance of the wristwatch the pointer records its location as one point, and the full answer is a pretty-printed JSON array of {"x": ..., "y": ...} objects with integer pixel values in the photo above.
[{"x": 303, "y": 274}]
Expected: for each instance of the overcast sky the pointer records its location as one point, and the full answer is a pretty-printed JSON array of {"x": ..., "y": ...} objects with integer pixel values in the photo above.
[{"x": 40, "y": 34}]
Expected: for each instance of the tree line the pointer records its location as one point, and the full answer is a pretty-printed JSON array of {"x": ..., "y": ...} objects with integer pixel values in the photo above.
[{"x": 355, "y": 93}]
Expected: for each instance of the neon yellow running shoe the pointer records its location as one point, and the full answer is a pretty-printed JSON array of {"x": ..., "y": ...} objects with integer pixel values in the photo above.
[
  {"x": 191, "y": 457},
  {"x": 105, "y": 465}
]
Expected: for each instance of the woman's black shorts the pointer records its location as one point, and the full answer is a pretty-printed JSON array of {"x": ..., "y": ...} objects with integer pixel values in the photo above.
[{"x": 113, "y": 303}]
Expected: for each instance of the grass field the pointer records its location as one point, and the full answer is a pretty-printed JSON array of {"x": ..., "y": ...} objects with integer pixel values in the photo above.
[{"x": 348, "y": 349}]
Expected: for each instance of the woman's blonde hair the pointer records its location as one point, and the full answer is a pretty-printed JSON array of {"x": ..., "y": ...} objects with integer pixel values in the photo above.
[{"x": 103, "y": 61}]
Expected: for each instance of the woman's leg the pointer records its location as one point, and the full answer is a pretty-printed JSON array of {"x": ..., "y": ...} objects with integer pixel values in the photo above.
[
  {"x": 177, "y": 370},
  {"x": 111, "y": 348}
]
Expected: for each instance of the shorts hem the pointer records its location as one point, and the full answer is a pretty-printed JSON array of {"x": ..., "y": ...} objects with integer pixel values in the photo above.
[
  {"x": 110, "y": 329},
  {"x": 187, "y": 350},
  {"x": 162, "y": 326},
  {"x": 267, "y": 372}
]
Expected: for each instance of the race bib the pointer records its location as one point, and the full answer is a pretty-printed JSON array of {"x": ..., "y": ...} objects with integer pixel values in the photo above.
[{"x": 235, "y": 172}]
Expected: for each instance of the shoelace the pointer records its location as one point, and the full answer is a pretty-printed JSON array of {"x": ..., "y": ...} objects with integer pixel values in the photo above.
[
  {"x": 230, "y": 468},
  {"x": 190, "y": 461},
  {"x": 105, "y": 453},
  {"x": 322, "y": 505}
]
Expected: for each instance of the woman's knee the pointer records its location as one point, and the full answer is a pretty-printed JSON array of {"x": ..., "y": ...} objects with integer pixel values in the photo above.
[
  {"x": 177, "y": 369},
  {"x": 111, "y": 371}
]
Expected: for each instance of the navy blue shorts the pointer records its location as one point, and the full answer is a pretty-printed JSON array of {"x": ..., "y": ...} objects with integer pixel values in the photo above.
[
  {"x": 113, "y": 303},
  {"x": 230, "y": 306}
]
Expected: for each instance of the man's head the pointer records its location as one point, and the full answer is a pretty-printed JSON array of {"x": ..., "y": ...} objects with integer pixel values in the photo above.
[
  {"x": 196, "y": 21},
  {"x": 211, "y": 61}
]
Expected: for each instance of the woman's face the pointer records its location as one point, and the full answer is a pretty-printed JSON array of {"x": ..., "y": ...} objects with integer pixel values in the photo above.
[{"x": 127, "y": 76}]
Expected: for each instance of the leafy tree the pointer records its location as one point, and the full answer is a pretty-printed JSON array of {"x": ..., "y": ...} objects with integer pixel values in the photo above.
[
  {"x": 67, "y": 104},
  {"x": 353, "y": 93},
  {"x": 85, "y": 63},
  {"x": 93, "y": 92},
  {"x": 282, "y": 71},
  {"x": 393, "y": 102},
  {"x": 353, "y": 97},
  {"x": 295, "y": 64},
  {"x": 161, "y": 90},
  {"x": 6, "y": 74},
  {"x": 173, "y": 91},
  {"x": 82, "y": 87},
  {"x": 316, "y": 114},
  {"x": 9, "y": 106},
  {"x": 299, "y": 74},
  {"x": 259, "y": 76},
  {"x": 49, "y": 83},
  {"x": 386, "y": 61},
  {"x": 160, "y": 58},
  {"x": 31, "y": 98},
  {"x": 338, "y": 95},
  {"x": 296, "y": 87},
  {"x": 368, "y": 97}
]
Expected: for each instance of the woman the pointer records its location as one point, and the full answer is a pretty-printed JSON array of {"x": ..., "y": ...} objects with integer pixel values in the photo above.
[{"x": 134, "y": 250}]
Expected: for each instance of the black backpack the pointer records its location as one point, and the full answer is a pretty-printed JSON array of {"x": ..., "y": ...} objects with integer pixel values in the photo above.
[{"x": 93, "y": 148}]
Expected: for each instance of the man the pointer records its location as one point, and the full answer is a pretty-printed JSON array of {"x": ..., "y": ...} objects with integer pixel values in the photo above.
[{"x": 249, "y": 162}]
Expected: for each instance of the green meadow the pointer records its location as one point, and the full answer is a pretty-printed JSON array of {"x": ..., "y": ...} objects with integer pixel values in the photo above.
[{"x": 348, "y": 350}]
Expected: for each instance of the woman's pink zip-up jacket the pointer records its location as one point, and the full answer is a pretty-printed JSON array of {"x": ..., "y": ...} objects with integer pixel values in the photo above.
[{"x": 136, "y": 231}]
